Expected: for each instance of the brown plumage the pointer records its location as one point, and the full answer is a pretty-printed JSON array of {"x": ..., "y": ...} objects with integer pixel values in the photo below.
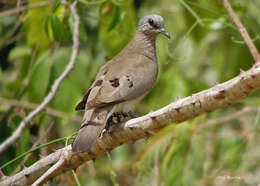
[{"x": 121, "y": 82}]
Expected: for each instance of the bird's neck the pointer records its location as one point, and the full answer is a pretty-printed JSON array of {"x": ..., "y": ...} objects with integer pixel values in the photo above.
[{"x": 143, "y": 44}]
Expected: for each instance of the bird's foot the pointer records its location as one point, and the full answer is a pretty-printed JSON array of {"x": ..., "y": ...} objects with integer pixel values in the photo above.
[
  {"x": 105, "y": 130},
  {"x": 116, "y": 118}
]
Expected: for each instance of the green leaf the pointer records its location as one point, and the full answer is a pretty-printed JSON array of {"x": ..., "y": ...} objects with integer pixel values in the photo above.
[
  {"x": 117, "y": 26},
  {"x": 116, "y": 18},
  {"x": 60, "y": 32},
  {"x": 47, "y": 27},
  {"x": 55, "y": 4},
  {"x": 40, "y": 78},
  {"x": 19, "y": 52},
  {"x": 14, "y": 86},
  {"x": 25, "y": 67},
  {"x": 34, "y": 26}
]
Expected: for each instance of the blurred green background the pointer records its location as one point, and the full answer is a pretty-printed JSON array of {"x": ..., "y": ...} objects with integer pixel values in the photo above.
[{"x": 205, "y": 49}]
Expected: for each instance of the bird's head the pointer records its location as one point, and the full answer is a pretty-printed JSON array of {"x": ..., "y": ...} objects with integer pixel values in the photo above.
[{"x": 152, "y": 25}]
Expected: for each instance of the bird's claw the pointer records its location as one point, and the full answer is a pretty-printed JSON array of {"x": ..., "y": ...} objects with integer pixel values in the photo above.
[
  {"x": 131, "y": 115},
  {"x": 102, "y": 133}
]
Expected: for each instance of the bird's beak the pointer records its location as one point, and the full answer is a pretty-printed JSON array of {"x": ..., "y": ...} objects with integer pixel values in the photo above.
[{"x": 164, "y": 32}]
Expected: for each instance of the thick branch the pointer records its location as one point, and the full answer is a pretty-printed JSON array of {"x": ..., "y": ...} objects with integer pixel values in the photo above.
[
  {"x": 242, "y": 31},
  {"x": 53, "y": 91},
  {"x": 184, "y": 109}
]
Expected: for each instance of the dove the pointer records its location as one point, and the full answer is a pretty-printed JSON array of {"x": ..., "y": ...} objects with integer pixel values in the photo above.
[{"x": 120, "y": 83}]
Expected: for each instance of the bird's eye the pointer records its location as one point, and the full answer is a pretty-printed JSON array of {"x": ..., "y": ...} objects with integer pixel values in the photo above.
[{"x": 151, "y": 22}]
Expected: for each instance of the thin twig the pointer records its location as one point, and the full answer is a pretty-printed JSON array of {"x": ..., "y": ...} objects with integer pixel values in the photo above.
[
  {"x": 54, "y": 88},
  {"x": 49, "y": 111},
  {"x": 11, "y": 33},
  {"x": 24, "y": 8},
  {"x": 36, "y": 143},
  {"x": 243, "y": 31},
  {"x": 229, "y": 117},
  {"x": 14, "y": 39},
  {"x": 193, "y": 13},
  {"x": 18, "y": 4},
  {"x": 49, "y": 171},
  {"x": 2, "y": 175}
]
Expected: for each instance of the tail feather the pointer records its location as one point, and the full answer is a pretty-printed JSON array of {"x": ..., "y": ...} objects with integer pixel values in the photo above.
[{"x": 94, "y": 122}]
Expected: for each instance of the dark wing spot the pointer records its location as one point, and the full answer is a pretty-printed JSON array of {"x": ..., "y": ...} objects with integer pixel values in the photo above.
[
  {"x": 98, "y": 83},
  {"x": 114, "y": 82},
  {"x": 105, "y": 72},
  {"x": 130, "y": 82}
]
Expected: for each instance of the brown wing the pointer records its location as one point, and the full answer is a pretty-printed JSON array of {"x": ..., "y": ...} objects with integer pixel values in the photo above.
[
  {"x": 99, "y": 79},
  {"x": 124, "y": 80},
  {"x": 81, "y": 105}
]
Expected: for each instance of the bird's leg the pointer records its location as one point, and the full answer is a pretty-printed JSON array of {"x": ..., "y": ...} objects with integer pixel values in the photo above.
[
  {"x": 102, "y": 133},
  {"x": 109, "y": 123}
]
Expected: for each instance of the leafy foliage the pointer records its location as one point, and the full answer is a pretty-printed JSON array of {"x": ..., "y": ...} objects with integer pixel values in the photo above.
[{"x": 206, "y": 49}]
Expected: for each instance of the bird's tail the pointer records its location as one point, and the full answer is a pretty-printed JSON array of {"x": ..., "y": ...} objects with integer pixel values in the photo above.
[{"x": 93, "y": 124}]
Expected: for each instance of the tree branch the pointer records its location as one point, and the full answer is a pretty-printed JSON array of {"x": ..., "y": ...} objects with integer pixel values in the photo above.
[
  {"x": 54, "y": 88},
  {"x": 242, "y": 31},
  {"x": 229, "y": 117},
  {"x": 48, "y": 172},
  {"x": 24, "y": 8},
  {"x": 49, "y": 111},
  {"x": 184, "y": 109},
  {"x": 36, "y": 143}
]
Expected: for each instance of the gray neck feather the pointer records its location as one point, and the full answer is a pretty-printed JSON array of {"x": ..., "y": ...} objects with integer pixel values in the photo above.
[{"x": 143, "y": 44}]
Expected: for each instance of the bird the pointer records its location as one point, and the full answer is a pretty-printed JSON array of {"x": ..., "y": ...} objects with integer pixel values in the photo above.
[{"x": 120, "y": 83}]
